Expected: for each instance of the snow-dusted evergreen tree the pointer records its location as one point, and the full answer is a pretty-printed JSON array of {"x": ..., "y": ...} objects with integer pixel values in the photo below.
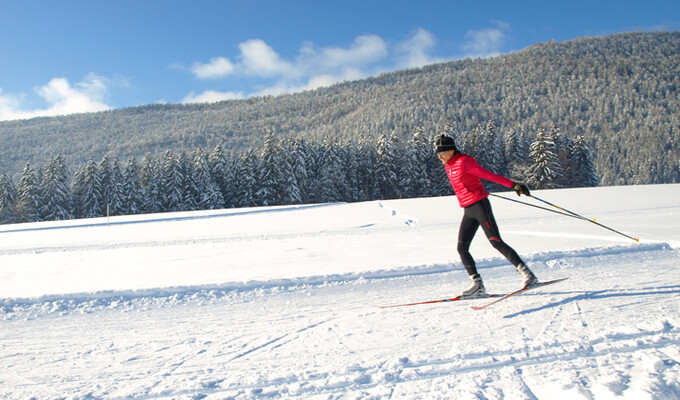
[
  {"x": 248, "y": 179},
  {"x": 150, "y": 180},
  {"x": 583, "y": 168},
  {"x": 512, "y": 148},
  {"x": 105, "y": 171},
  {"x": 8, "y": 198},
  {"x": 28, "y": 201},
  {"x": 387, "y": 167},
  {"x": 116, "y": 197},
  {"x": 493, "y": 150},
  {"x": 517, "y": 154},
  {"x": 523, "y": 145},
  {"x": 563, "y": 152},
  {"x": 223, "y": 175},
  {"x": 294, "y": 163},
  {"x": 473, "y": 142},
  {"x": 232, "y": 179},
  {"x": 332, "y": 185},
  {"x": 208, "y": 191},
  {"x": 172, "y": 183},
  {"x": 545, "y": 166},
  {"x": 189, "y": 187},
  {"x": 415, "y": 181},
  {"x": 491, "y": 153},
  {"x": 366, "y": 162},
  {"x": 302, "y": 169},
  {"x": 86, "y": 190},
  {"x": 351, "y": 169},
  {"x": 133, "y": 197},
  {"x": 270, "y": 187},
  {"x": 56, "y": 199}
]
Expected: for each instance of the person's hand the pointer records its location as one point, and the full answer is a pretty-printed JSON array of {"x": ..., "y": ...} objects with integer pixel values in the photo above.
[{"x": 521, "y": 188}]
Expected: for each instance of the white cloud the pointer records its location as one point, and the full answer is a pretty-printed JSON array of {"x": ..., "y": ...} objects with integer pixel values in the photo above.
[
  {"x": 218, "y": 67},
  {"x": 485, "y": 42},
  {"x": 211, "y": 96},
  {"x": 311, "y": 69},
  {"x": 61, "y": 97},
  {"x": 314, "y": 67},
  {"x": 259, "y": 59},
  {"x": 365, "y": 50},
  {"x": 415, "y": 51}
]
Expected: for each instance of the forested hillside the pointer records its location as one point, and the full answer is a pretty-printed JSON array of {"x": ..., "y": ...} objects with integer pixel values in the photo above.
[{"x": 619, "y": 93}]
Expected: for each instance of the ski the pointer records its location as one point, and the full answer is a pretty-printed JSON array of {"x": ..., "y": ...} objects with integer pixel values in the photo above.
[
  {"x": 457, "y": 298},
  {"x": 520, "y": 291}
]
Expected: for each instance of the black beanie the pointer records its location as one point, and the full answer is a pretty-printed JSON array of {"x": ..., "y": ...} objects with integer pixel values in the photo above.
[{"x": 445, "y": 143}]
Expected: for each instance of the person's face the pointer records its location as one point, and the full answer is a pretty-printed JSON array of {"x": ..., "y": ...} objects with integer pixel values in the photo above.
[{"x": 445, "y": 156}]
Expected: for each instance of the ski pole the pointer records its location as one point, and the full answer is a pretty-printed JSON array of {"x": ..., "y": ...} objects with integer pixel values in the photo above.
[
  {"x": 535, "y": 206},
  {"x": 584, "y": 218}
]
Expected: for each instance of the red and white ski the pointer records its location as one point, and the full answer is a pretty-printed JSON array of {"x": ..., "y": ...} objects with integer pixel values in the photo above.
[
  {"x": 520, "y": 291},
  {"x": 457, "y": 298}
]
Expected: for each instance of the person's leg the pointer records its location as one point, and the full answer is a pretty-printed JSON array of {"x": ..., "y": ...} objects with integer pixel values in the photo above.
[
  {"x": 468, "y": 228},
  {"x": 490, "y": 228},
  {"x": 488, "y": 223},
  {"x": 466, "y": 232}
]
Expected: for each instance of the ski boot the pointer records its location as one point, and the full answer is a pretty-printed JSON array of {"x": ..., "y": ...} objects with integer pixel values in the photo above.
[
  {"x": 476, "y": 290},
  {"x": 529, "y": 277}
]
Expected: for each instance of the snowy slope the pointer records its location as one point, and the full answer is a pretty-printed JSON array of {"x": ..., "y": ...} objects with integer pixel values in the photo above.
[{"x": 281, "y": 302}]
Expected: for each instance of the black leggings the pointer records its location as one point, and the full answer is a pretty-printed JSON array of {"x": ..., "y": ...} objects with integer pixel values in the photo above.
[{"x": 477, "y": 214}]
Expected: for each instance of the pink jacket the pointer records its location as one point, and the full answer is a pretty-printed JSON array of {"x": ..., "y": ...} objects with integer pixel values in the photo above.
[{"x": 466, "y": 179}]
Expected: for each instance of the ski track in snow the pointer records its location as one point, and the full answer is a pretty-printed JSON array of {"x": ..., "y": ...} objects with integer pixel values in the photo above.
[{"x": 611, "y": 331}]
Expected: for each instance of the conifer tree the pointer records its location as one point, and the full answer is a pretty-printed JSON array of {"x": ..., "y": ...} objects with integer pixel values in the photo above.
[
  {"x": 332, "y": 184},
  {"x": 366, "y": 169},
  {"x": 300, "y": 166},
  {"x": 545, "y": 166},
  {"x": 56, "y": 199},
  {"x": 28, "y": 201},
  {"x": 86, "y": 190},
  {"x": 387, "y": 167},
  {"x": 351, "y": 168},
  {"x": 189, "y": 187},
  {"x": 150, "y": 182},
  {"x": 248, "y": 179},
  {"x": 294, "y": 164},
  {"x": 8, "y": 198},
  {"x": 133, "y": 198},
  {"x": 270, "y": 186},
  {"x": 208, "y": 191},
  {"x": 563, "y": 152},
  {"x": 222, "y": 176},
  {"x": 171, "y": 183},
  {"x": 115, "y": 200},
  {"x": 106, "y": 185},
  {"x": 584, "y": 173},
  {"x": 415, "y": 180}
]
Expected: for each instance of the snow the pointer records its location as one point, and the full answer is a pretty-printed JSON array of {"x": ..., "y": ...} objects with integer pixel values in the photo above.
[{"x": 282, "y": 302}]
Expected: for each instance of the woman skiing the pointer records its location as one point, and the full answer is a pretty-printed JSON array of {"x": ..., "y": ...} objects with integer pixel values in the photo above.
[{"x": 465, "y": 175}]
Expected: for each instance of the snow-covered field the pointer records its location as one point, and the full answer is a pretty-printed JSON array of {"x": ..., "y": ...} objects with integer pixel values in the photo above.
[{"x": 282, "y": 302}]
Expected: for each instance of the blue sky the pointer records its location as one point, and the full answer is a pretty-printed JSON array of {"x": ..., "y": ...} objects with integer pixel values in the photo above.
[{"x": 68, "y": 56}]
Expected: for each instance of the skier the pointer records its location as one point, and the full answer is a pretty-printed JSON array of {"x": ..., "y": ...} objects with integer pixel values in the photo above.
[{"x": 465, "y": 175}]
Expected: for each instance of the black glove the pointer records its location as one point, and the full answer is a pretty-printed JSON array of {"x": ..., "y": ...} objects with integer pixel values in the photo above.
[{"x": 521, "y": 188}]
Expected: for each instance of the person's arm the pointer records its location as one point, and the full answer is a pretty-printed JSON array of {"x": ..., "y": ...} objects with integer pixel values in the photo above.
[{"x": 472, "y": 167}]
